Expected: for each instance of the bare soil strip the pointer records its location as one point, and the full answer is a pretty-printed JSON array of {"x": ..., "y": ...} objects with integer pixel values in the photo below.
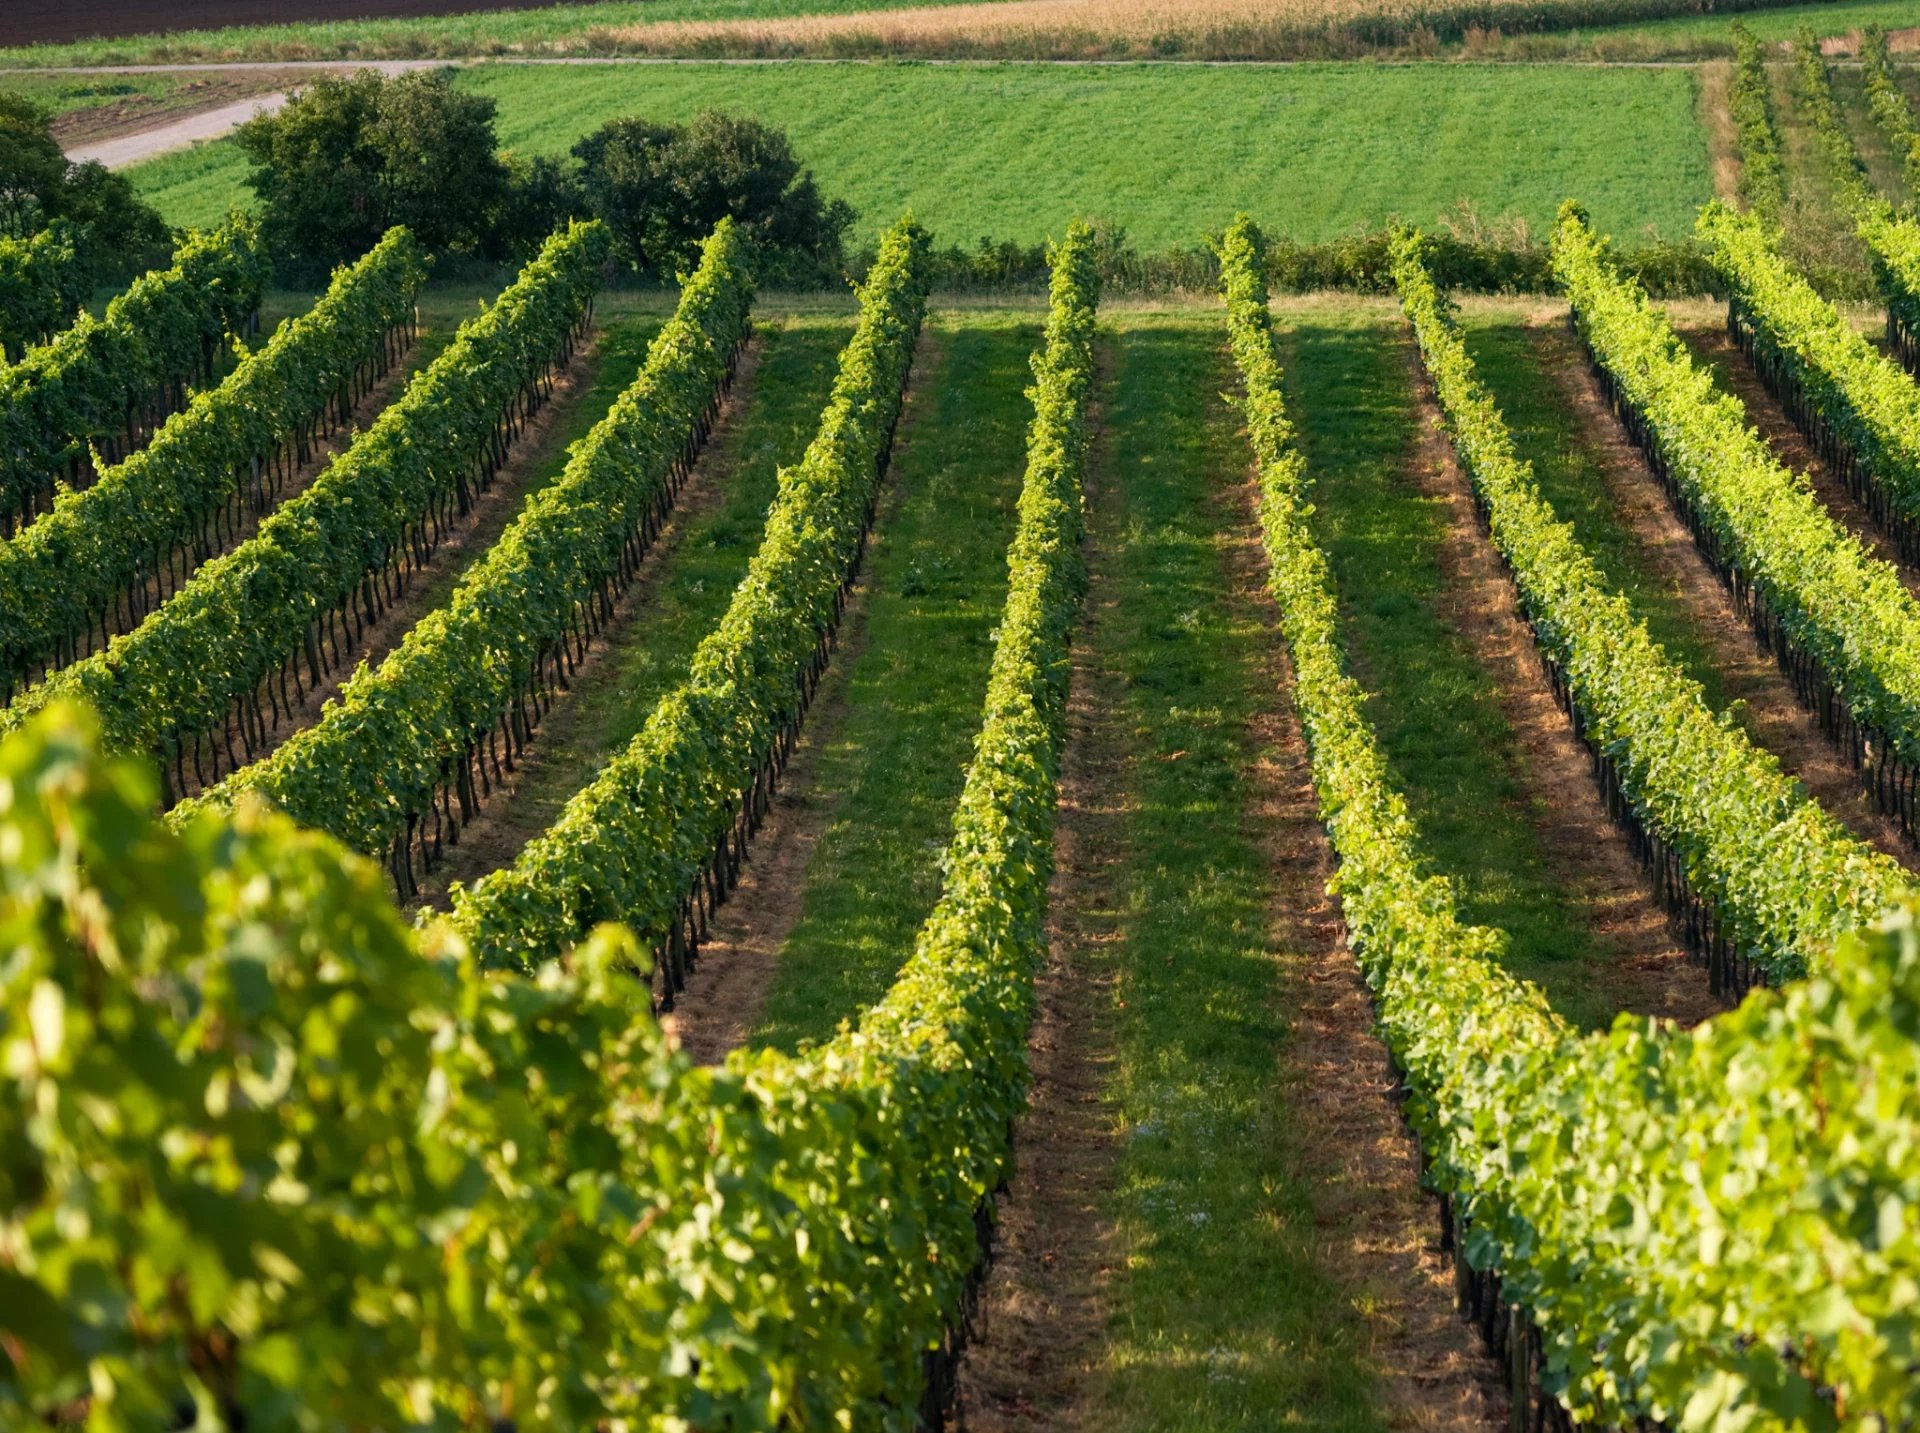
[
  {"x": 182, "y": 133},
  {"x": 1651, "y": 973},
  {"x": 138, "y": 113},
  {"x": 32, "y": 22},
  {"x": 504, "y": 824},
  {"x": 1361, "y": 1164},
  {"x": 1041, "y": 1315},
  {"x": 1764, "y": 411},
  {"x": 1771, "y": 715},
  {"x": 724, "y": 995}
]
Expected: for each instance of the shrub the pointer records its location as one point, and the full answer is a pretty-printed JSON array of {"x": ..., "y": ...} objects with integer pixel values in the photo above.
[
  {"x": 350, "y": 158},
  {"x": 662, "y": 187}
]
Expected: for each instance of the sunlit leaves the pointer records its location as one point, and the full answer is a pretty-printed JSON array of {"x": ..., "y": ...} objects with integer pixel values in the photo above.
[
  {"x": 1711, "y": 1228},
  {"x": 84, "y": 383},
  {"x": 382, "y": 751}
]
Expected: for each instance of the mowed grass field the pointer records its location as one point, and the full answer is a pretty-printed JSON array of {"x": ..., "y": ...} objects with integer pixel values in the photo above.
[{"x": 1013, "y": 151}]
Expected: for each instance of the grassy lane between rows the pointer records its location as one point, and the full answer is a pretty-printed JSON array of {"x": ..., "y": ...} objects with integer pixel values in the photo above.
[
  {"x": 890, "y": 768},
  {"x": 1885, "y": 170},
  {"x": 690, "y": 589},
  {"x": 1819, "y": 235},
  {"x": 1220, "y": 1316},
  {"x": 1433, "y": 701},
  {"x": 1549, "y": 435}
]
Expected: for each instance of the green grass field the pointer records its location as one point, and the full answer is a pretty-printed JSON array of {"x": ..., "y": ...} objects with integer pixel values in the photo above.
[
  {"x": 906, "y": 703},
  {"x": 1170, "y": 153},
  {"x": 61, "y": 93}
]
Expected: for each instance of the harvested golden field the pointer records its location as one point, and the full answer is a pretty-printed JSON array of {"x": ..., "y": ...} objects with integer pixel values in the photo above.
[{"x": 1141, "y": 29}]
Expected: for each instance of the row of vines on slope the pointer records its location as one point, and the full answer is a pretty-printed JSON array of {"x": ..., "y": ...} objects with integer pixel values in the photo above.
[
  {"x": 1764, "y": 878},
  {"x": 1889, "y": 104},
  {"x": 1763, "y": 165},
  {"x": 1893, "y": 242},
  {"x": 1860, "y": 408},
  {"x": 42, "y": 285},
  {"x": 658, "y": 838},
  {"x": 103, "y": 384},
  {"x": 1702, "y": 1228},
  {"x": 425, "y": 732},
  {"x": 405, "y": 1190},
  {"x": 1891, "y": 239},
  {"x": 1837, "y": 619},
  {"x": 1813, "y": 87},
  {"x": 104, "y": 557},
  {"x": 214, "y": 664}
]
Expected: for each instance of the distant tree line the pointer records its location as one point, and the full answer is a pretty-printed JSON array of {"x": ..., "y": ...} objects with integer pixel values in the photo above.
[{"x": 350, "y": 156}]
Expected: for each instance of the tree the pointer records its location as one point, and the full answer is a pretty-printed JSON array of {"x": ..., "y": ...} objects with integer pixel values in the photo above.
[
  {"x": 662, "y": 187},
  {"x": 623, "y": 182},
  {"x": 32, "y": 165},
  {"x": 348, "y": 158},
  {"x": 117, "y": 234}
]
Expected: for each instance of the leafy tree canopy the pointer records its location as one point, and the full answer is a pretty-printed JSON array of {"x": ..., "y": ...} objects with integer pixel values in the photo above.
[
  {"x": 118, "y": 235},
  {"x": 348, "y": 158},
  {"x": 661, "y": 187}
]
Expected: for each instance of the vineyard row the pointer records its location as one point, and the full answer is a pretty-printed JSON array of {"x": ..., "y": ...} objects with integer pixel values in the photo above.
[
  {"x": 95, "y": 391},
  {"x": 215, "y": 664},
  {"x": 409, "y": 1189},
  {"x": 105, "y": 557},
  {"x": 1646, "y": 1220},
  {"x": 402, "y": 760},
  {"x": 1838, "y": 620}
]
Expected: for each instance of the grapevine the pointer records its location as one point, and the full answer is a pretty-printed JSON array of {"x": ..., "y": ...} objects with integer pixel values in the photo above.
[
  {"x": 1859, "y": 407},
  {"x": 93, "y": 393},
  {"x": 1641, "y": 1219},
  {"x": 1763, "y": 169},
  {"x": 41, "y": 287},
  {"x": 105, "y": 556},
  {"x": 410, "y": 1191},
  {"x": 1837, "y": 619},
  {"x": 205, "y": 680},
  {"x": 384, "y": 767},
  {"x": 1762, "y": 876},
  {"x": 659, "y": 836}
]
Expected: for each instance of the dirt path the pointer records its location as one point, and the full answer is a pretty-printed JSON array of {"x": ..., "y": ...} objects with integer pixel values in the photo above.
[
  {"x": 505, "y": 824},
  {"x": 141, "y": 127},
  {"x": 1716, "y": 121},
  {"x": 1650, "y": 972},
  {"x": 1790, "y": 446},
  {"x": 1361, "y": 1165},
  {"x": 728, "y": 988},
  {"x": 188, "y": 130},
  {"x": 140, "y": 111},
  {"x": 1041, "y": 1313},
  {"x": 1773, "y": 714}
]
